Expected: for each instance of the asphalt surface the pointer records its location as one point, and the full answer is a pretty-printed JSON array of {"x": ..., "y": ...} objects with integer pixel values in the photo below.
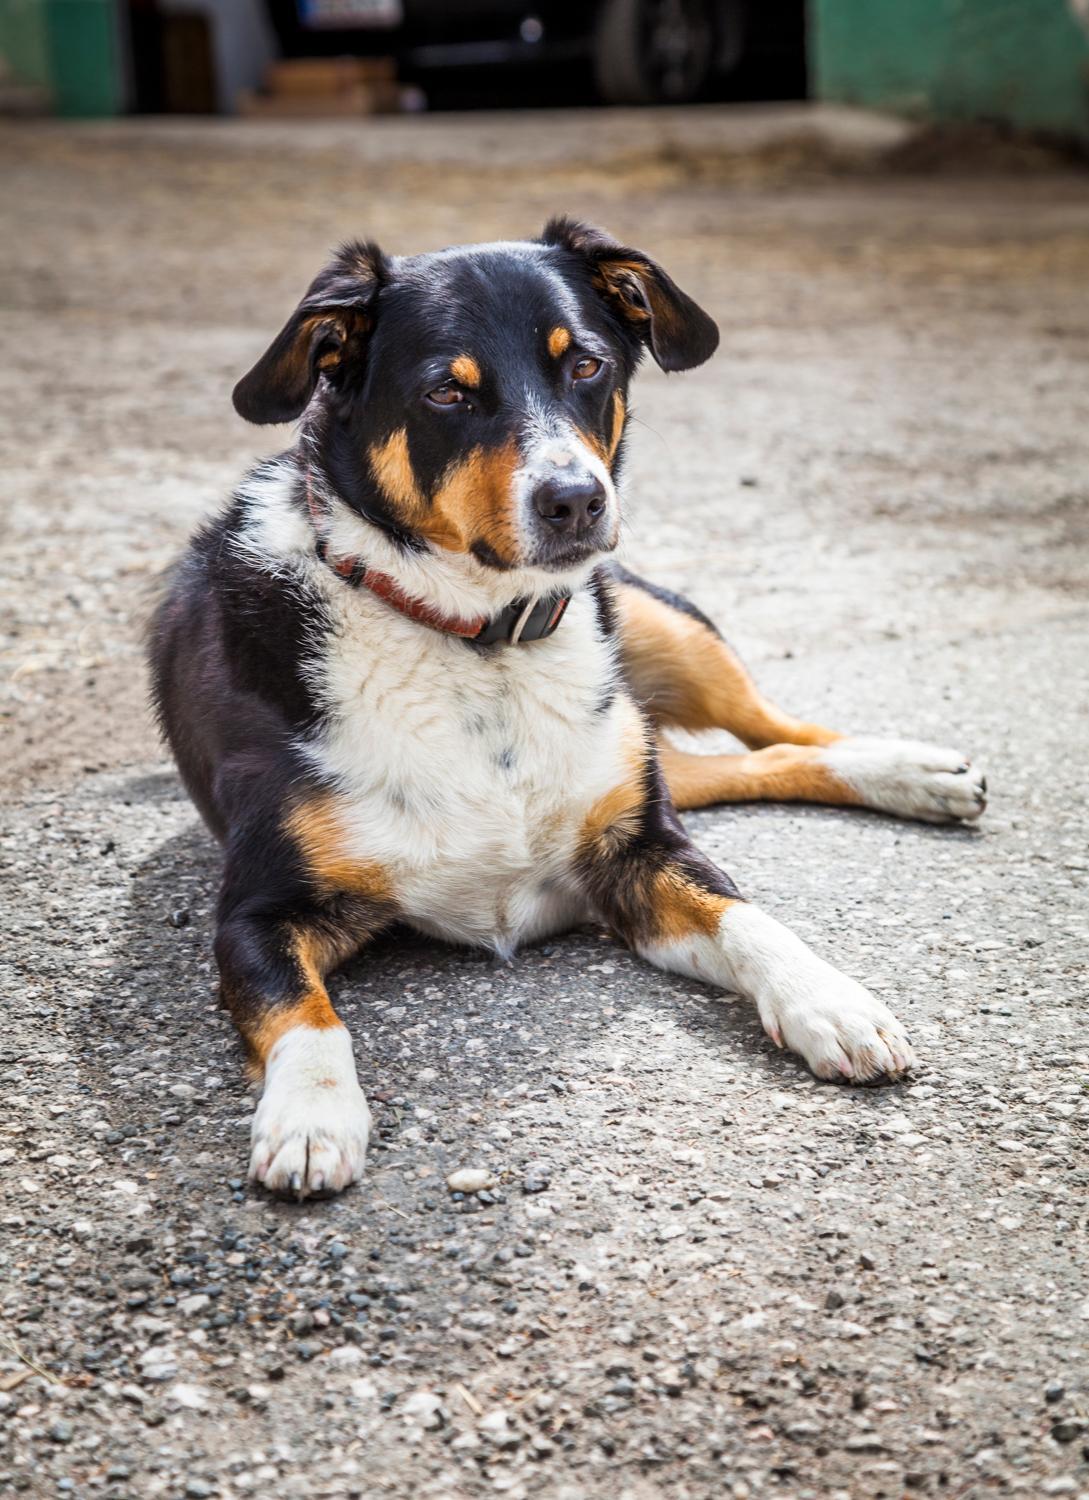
[{"x": 701, "y": 1272}]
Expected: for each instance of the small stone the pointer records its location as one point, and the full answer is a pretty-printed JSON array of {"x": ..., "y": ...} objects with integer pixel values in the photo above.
[
  {"x": 191, "y": 1397},
  {"x": 157, "y": 1363},
  {"x": 834, "y": 1300},
  {"x": 865, "y": 1442},
  {"x": 1054, "y": 1391},
  {"x": 1068, "y": 1429},
  {"x": 495, "y": 1426},
  {"x": 469, "y": 1180},
  {"x": 423, "y": 1408},
  {"x": 867, "y": 1262},
  {"x": 190, "y": 1307},
  {"x": 61, "y": 1432},
  {"x": 196, "y": 1489},
  {"x": 179, "y": 918},
  {"x": 534, "y": 1184}
]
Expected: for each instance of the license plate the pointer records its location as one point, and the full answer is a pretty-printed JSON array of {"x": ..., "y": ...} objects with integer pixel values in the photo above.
[{"x": 349, "y": 13}]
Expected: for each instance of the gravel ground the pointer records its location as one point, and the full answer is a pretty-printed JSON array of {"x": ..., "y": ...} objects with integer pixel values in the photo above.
[{"x": 699, "y": 1272}]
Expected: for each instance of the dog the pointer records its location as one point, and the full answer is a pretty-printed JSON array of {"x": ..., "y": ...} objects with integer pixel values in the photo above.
[{"x": 404, "y": 680}]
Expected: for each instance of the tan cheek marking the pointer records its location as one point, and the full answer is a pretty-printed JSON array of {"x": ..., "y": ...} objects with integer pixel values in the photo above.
[
  {"x": 559, "y": 341},
  {"x": 316, "y": 829},
  {"x": 474, "y": 503},
  {"x": 596, "y": 444},
  {"x": 392, "y": 468},
  {"x": 619, "y": 414},
  {"x": 466, "y": 371}
]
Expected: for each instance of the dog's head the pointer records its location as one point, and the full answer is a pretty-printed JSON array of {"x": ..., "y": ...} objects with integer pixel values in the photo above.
[{"x": 475, "y": 399}]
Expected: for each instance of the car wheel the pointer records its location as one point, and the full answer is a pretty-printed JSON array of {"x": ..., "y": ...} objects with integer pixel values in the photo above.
[{"x": 653, "y": 51}]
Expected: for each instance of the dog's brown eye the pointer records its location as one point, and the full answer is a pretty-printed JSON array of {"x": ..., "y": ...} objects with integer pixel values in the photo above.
[
  {"x": 446, "y": 395},
  {"x": 586, "y": 369}
]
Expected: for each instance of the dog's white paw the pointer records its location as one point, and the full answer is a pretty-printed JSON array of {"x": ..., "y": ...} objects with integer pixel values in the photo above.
[
  {"x": 312, "y": 1125},
  {"x": 840, "y": 1030},
  {"x": 805, "y": 1004},
  {"x": 909, "y": 779}
]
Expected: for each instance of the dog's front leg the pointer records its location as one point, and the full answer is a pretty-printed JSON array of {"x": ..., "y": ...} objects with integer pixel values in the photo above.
[
  {"x": 675, "y": 908},
  {"x": 312, "y": 1123}
]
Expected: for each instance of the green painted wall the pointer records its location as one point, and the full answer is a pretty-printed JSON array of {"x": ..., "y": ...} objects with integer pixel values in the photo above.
[
  {"x": 1025, "y": 62},
  {"x": 70, "y": 48}
]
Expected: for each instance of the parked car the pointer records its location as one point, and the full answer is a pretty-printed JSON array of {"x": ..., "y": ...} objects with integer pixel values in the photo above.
[{"x": 637, "y": 51}]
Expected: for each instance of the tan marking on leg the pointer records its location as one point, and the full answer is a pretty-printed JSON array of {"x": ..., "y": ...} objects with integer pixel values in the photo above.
[
  {"x": 466, "y": 371},
  {"x": 685, "y": 674},
  {"x": 778, "y": 773},
  {"x": 680, "y": 909},
  {"x": 315, "y": 1011},
  {"x": 316, "y": 828},
  {"x": 559, "y": 341},
  {"x": 615, "y": 819}
]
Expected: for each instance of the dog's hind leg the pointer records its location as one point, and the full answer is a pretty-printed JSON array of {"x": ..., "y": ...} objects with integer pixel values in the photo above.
[{"x": 685, "y": 675}]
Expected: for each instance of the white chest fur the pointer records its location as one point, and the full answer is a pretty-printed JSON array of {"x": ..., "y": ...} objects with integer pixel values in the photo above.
[{"x": 466, "y": 774}]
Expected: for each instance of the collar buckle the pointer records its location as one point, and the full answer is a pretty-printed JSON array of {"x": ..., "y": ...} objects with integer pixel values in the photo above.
[{"x": 524, "y": 621}]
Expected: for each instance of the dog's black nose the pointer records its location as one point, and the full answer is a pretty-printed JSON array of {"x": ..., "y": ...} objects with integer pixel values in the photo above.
[{"x": 570, "y": 503}]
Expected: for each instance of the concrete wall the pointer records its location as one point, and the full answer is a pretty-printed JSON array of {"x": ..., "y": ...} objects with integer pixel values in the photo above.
[{"x": 1024, "y": 62}]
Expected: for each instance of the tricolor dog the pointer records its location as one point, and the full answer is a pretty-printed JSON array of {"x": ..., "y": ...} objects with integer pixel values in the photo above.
[{"x": 403, "y": 681}]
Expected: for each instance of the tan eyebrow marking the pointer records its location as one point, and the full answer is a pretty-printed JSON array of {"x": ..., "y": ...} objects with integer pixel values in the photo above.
[
  {"x": 559, "y": 341},
  {"x": 465, "y": 370}
]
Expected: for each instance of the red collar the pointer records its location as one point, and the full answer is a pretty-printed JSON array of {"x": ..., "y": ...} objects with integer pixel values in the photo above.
[{"x": 524, "y": 620}]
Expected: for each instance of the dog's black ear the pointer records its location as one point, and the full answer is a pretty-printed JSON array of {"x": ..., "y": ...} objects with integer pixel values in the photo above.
[
  {"x": 325, "y": 335},
  {"x": 677, "y": 331}
]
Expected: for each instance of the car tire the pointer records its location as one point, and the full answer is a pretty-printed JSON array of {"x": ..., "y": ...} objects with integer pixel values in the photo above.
[{"x": 655, "y": 51}]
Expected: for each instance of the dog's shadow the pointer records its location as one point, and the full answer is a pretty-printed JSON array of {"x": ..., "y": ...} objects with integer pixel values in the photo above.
[{"x": 451, "y": 1032}]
